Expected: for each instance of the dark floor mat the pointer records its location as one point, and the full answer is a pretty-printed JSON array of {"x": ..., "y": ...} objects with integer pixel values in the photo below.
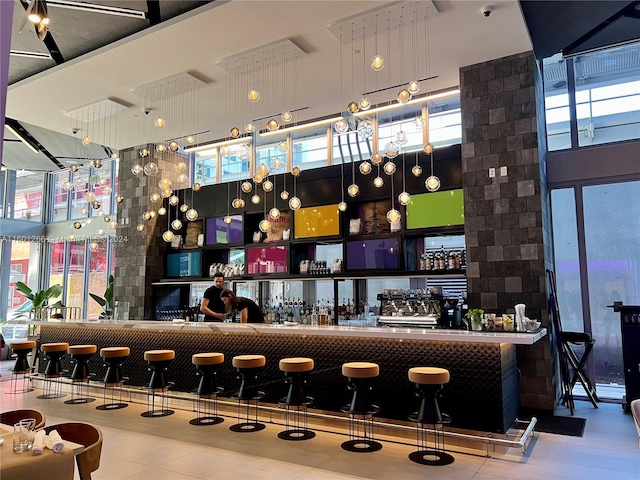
[{"x": 571, "y": 426}]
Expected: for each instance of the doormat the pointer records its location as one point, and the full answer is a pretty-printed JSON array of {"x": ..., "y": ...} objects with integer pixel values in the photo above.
[{"x": 571, "y": 426}]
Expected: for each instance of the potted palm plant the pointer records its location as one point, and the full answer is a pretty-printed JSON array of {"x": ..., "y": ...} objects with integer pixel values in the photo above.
[
  {"x": 37, "y": 301},
  {"x": 106, "y": 302}
]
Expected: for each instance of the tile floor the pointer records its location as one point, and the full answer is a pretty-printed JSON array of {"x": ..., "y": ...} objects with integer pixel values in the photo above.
[{"x": 168, "y": 448}]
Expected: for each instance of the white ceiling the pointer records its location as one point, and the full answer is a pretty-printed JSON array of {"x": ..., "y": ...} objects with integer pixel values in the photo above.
[{"x": 458, "y": 34}]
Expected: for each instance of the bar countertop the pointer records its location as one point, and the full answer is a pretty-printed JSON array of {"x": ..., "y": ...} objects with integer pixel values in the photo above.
[{"x": 408, "y": 333}]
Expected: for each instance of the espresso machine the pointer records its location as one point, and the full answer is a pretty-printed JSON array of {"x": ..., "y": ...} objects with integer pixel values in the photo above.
[{"x": 410, "y": 308}]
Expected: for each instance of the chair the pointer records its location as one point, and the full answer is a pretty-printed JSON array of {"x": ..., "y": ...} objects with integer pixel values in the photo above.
[
  {"x": 635, "y": 411},
  {"x": 14, "y": 416},
  {"x": 85, "y": 434},
  {"x": 566, "y": 344}
]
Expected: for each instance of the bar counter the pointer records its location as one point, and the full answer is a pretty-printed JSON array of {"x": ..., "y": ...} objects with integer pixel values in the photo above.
[{"x": 482, "y": 394}]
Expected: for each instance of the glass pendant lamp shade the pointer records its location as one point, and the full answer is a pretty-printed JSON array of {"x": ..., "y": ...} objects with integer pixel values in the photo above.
[
  {"x": 173, "y": 146},
  {"x": 392, "y": 149},
  {"x": 144, "y": 152},
  {"x": 89, "y": 196},
  {"x": 365, "y": 168},
  {"x": 67, "y": 186},
  {"x": 282, "y": 146},
  {"x": 225, "y": 150},
  {"x": 264, "y": 225},
  {"x": 152, "y": 214},
  {"x": 286, "y": 116},
  {"x": 403, "y": 96},
  {"x": 228, "y": 219},
  {"x": 235, "y": 203},
  {"x": 249, "y": 127},
  {"x": 77, "y": 225},
  {"x": 155, "y": 197},
  {"x": 181, "y": 166},
  {"x": 113, "y": 224},
  {"x": 376, "y": 158},
  {"x": 401, "y": 137},
  {"x": 191, "y": 139},
  {"x": 160, "y": 148},
  {"x": 353, "y": 190},
  {"x": 341, "y": 126},
  {"x": 159, "y": 122},
  {"x": 106, "y": 218},
  {"x": 119, "y": 198},
  {"x": 278, "y": 163},
  {"x": 342, "y": 206},
  {"x": 173, "y": 200},
  {"x": 192, "y": 214},
  {"x": 364, "y": 103},
  {"x": 378, "y": 182},
  {"x": 295, "y": 171},
  {"x": 365, "y": 128},
  {"x": 165, "y": 184},
  {"x": 93, "y": 246},
  {"x": 235, "y": 132},
  {"x": 167, "y": 236},
  {"x": 418, "y": 122},
  {"x": 393, "y": 215},
  {"x": 184, "y": 207},
  {"x": 176, "y": 224},
  {"x": 136, "y": 169},
  {"x": 428, "y": 149},
  {"x": 106, "y": 190},
  {"x": 196, "y": 187},
  {"x": 146, "y": 215},
  {"x": 253, "y": 95},
  {"x": 416, "y": 170},
  {"x": 377, "y": 63},
  {"x": 162, "y": 211},
  {"x": 267, "y": 186},
  {"x": 272, "y": 125},
  {"x": 86, "y": 141},
  {"x": 413, "y": 87},
  {"x": 246, "y": 187},
  {"x": 294, "y": 203},
  {"x": 432, "y": 183},
  {"x": 150, "y": 169},
  {"x": 255, "y": 199},
  {"x": 74, "y": 168},
  {"x": 182, "y": 178},
  {"x": 140, "y": 227},
  {"x": 284, "y": 195},
  {"x": 167, "y": 193},
  {"x": 263, "y": 169},
  {"x": 100, "y": 213},
  {"x": 389, "y": 168},
  {"x": 404, "y": 198},
  {"x": 274, "y": 213},
  {"x": 84, "y": 211},
  {"x": 243, "y": 152},
  {"x": 258, "y": 178},
  {"x": 353, "y": 107}
]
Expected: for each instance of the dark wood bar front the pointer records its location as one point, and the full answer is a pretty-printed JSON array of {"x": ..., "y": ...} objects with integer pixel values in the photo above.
[{"x": 482, "y": 394}]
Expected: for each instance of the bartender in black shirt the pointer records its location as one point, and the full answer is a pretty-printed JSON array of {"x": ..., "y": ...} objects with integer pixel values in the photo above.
[
  {"x": 249, "y": 310},
  {"x": 212, "y": 305}
]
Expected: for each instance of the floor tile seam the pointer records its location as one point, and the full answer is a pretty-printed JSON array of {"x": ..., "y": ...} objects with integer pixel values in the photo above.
[{"x": 573, "y": 464}]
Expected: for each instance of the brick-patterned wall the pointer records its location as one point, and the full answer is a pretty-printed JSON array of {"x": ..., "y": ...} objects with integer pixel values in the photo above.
[
  {"x": 507, "y": 225},
  {"x": 141, "y": 259}
]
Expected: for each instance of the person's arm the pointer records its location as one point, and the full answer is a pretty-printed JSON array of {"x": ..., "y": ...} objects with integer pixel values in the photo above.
[
  {"x": 204, "y": 308},
  {"x": 244, "y": 315}
]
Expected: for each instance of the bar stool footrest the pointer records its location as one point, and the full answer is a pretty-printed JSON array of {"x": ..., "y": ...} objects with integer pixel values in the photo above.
[
  {"x": 203, "y": 421},
  {"x": 247, "y": 427},
  {"x": 77, "y": 401},
  {"x": 296, "y": 435},
  {"x": 157, "y": 413},
  {"x": 112, "y": 406},
  {"x": 431, "y": 457},
  {"x": 361, "y": 445}
]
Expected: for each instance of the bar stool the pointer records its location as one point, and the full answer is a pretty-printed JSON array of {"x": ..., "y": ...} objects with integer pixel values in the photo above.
[
  {"x": 361, "y": 409},
  {"x": 21, "y": 367},
  {"x": 296, "y": 402},
  {"x": 159, "y": 361},
  {"x": 248, "y": 367},
  {"x": 429, "y": 382},
  {"x": 52, "y": 388},
  {"x": 80, "y": 355},
  {"x": 113, "y": 358},
  {"x": 207, "y": 404}
]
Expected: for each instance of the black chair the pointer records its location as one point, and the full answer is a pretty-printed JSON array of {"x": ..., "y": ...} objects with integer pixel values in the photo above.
[{"x": 573, "y": 362}]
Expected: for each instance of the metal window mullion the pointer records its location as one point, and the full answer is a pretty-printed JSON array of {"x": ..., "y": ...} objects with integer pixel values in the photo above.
[
  {"x": 329, "y": 146},
  {"x": 65, "y": 270},
  {"x": 70, "y": 196},
  {"x": 573, "y": 114},
  {"x": 87, "y": 266}
]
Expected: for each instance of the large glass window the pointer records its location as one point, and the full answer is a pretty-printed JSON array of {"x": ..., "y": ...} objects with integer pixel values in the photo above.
[
  {"x": 350, "y": 147},
  {"x": 98, "y": 275},
  {"x": 235, "y": 164},
  {"x": 27, "y": 202},
  {"x": 79, "y": 206},
  {"x": 102, "y": 187},
  {"x": 60, "y": 195},
  {"x": 25, "y": 258},
  {"x": 75, "y": 275},
  {"x": 310, "y": 148},
  {"x": 206, "y": 167}
]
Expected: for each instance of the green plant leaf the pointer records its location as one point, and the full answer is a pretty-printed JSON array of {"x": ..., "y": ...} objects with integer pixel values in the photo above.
[
  {"x": 101, "y": 301},
  {"x": 24, "y": 290},
  {"x": 108, "y": 294},
  {"x": 53, "y": 291}
]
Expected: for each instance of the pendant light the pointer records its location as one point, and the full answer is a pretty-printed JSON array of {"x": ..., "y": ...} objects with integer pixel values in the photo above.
[
  {"x": 432, "y": 182},
  {"x": 404, "y": 198}
]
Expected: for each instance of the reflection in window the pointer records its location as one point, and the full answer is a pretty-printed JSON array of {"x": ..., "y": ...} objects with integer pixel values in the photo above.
[
  {"x": 75, "y": 275},
  {"x": 235, "y": 165},
  {"x": 60, "y": 195},
  {"x": 27, "y": 201},
  {"x": 350, "y": 147},
  {"x": 23, "y": 268},
  {"x": 206, "y": 167},
  {"x": 56, "y": 265},
  {"x": 79, "y": 206},
  {"x": 310, "y": 148},
  {"x": 102, "y": 188},
  {"x": 97, "y": 278}
]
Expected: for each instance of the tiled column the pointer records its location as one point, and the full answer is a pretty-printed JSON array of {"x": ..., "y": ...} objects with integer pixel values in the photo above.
[
  {"x": 140, "y": 260},
  {"x": 507, "y": 225}
]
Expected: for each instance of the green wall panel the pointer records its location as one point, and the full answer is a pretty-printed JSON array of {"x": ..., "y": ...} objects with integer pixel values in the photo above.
[{"x": 437, "y": 209}]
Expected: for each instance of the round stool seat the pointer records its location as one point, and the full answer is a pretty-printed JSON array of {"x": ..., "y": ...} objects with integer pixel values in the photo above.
[
  {"x": 159, "y": 355},
  {"x": 429, "y": 375},
  {"x": 207, "y": 358},
  {"x": 82, "y": 349},
  {"x": 115, "y": 352},
  {"x": 296, "y": 364},
  {"x": 249, "y": 361},
  {"x": 360, "y": 370},
  {"x": 54, "y": 347},
  {"x": 22, "y": 345}
]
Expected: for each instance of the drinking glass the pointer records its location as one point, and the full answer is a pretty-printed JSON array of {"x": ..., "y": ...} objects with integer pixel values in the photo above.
[
  {"x": 19, "y": 438},
  {"x": 30, "y": 425}
]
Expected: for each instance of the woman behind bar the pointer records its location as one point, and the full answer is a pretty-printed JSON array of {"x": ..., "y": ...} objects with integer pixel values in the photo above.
[{"x": 250, "y": 312}]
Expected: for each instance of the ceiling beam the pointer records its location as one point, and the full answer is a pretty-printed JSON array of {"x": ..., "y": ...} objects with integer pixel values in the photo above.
[
  {"x": 153, "y": 12},
  {"x": 31, "y": 140},
  {"x": 48, "y": 41}
]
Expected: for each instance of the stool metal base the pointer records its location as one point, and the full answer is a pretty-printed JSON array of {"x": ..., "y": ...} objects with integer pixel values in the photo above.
[
  {"x": 431, "y": 457},
  {"x": 296, "y": 435},
  {"x": 247, "y": 427},
  {"x": 14, "y": 389},
  {"x": 203, "y": 421},
  {"x": 77, "y": 401},
  {"x": 361, "y": 445},
  {"x": 51, "y": 396},
  {"x": 112, "y": 406},
  {"x": 157, "y": 413}
]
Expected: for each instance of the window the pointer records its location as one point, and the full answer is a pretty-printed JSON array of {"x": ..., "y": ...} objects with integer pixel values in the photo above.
[
  {"x": 80, "y": 181},
  {"x": 310, "y": 148},
  {"x": 75, "y": 275},
  {"x": 102, "y": 188},
  {"x": 98, "y": 275},
  {"x": 60, "y": 195},
  {"x": 27, "y": 201},
  {"x": 351, "y": 147},
  {"x": 235, "y": 165},
  {"x": 206, "y": 167}
]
